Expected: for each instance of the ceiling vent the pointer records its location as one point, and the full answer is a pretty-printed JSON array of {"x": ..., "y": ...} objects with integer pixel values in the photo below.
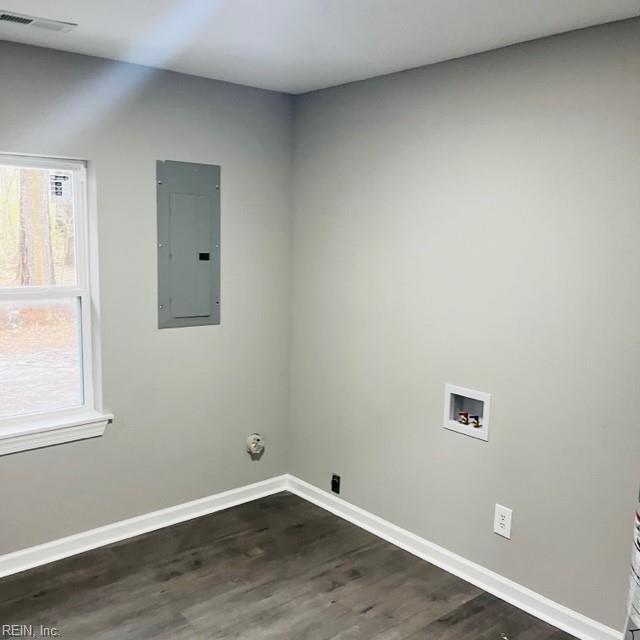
[{"x": 33, "y": 21}]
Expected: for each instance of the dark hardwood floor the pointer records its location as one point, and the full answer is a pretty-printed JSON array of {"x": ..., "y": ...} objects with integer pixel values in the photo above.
[{"x": 273, "y": 569}]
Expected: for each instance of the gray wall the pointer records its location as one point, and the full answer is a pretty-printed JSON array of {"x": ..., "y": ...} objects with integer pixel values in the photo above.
[
  {"x": 184, "y": 399},
  {"x": 477, "y": 222}
]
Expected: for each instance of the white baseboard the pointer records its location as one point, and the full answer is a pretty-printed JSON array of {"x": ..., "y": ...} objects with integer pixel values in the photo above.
[
  {"x": 94, "y": 538},
  {"x": 555, "y": 614}
]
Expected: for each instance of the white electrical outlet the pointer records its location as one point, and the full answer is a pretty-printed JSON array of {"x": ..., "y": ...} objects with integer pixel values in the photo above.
[{"x": 502, "y": 521}]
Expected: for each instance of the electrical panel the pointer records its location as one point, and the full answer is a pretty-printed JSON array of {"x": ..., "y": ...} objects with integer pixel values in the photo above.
[{"x": 188, "y": 244}]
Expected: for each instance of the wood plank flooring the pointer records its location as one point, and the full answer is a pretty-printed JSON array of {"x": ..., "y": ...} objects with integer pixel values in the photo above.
[{"x": 277, "y": 568}]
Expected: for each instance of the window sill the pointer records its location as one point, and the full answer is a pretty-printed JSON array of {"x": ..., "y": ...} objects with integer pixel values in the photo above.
[{"x": 50, "y": 430}]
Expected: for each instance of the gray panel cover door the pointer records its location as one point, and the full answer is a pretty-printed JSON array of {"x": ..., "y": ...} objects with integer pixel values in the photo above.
[{"x": 188, "y": 244}]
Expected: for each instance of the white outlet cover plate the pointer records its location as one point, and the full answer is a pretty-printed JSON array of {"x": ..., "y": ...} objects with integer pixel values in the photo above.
[{"x": 502, "y": 521}]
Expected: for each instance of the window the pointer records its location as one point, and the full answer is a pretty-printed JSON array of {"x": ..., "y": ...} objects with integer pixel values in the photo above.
[{"x": 47, "y": 382}]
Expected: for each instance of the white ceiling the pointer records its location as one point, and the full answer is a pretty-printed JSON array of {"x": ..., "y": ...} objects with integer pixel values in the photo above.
[{"x": 301, "y": 45}]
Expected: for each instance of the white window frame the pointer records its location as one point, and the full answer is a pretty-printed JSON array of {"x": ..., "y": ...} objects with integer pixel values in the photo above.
[{"x": 35, "y": 430}]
